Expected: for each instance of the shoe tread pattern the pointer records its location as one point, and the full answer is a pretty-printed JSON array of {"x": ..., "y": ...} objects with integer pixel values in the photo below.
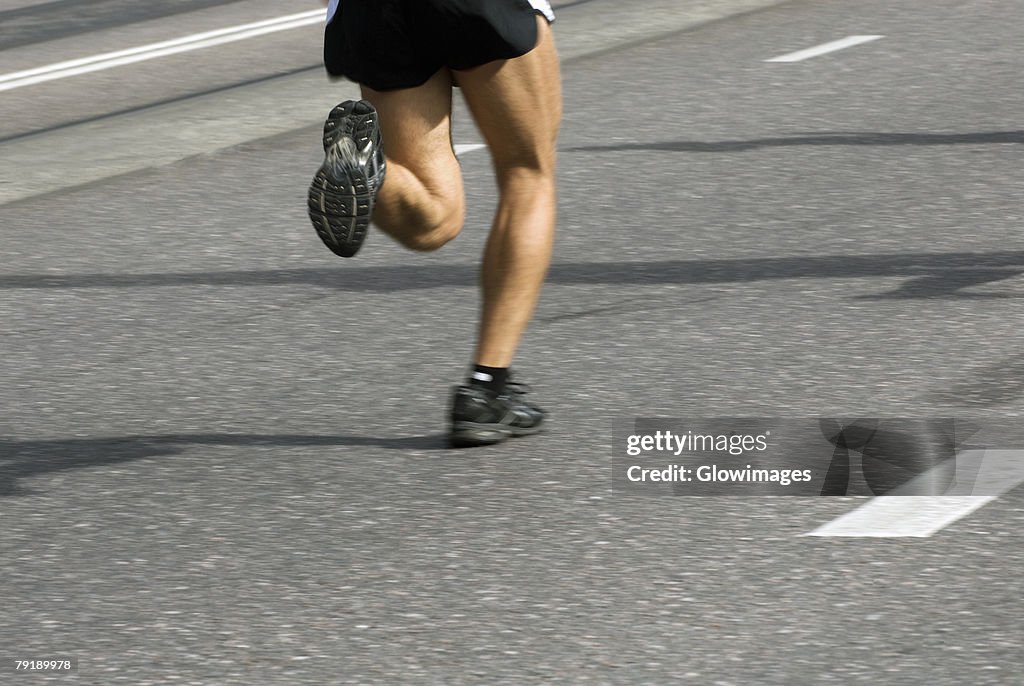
[{"x": 341, "y": 195}]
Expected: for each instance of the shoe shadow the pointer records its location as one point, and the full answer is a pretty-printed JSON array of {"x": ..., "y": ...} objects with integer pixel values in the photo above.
[{"x": 23, "y": 459}]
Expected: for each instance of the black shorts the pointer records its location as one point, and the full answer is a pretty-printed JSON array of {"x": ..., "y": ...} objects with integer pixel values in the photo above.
[{"x": 391, "y": 44}]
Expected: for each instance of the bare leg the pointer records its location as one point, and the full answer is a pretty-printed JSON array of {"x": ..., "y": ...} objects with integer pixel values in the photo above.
[
  {"x": 517, "y": 104},
  {"x": 421, "y": 204}
]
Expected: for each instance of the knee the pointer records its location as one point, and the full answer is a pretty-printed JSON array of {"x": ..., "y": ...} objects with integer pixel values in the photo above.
[
  {"x": 517, "y": 182},
  {"x": 423, "y": 226},
  {"x": 533, "y": 171},
  {"x": 433, "y": 238}
]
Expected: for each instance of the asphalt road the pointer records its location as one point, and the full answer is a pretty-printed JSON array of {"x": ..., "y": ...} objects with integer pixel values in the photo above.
[{"x": 221, "y": 448}]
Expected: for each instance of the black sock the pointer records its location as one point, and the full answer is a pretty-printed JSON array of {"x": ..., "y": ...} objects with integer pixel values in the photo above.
[{"x": 491, "y": 378}]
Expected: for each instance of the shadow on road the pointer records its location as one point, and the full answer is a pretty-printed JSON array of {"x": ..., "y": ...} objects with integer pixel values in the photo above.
[
  {"x": 930, "y": 275},
  {"x": 829, "y": 138},
  {"x": 21, "y": 459}
]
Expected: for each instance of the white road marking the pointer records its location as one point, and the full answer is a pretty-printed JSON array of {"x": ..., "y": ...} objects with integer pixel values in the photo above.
[
  {"x": 825, "y": 48},
  {"x": 462, "y": 148},
  {"x": 982, "y": 475},
  {"x": 902, "y": 516},
  {"x": 196, "y": 41}
]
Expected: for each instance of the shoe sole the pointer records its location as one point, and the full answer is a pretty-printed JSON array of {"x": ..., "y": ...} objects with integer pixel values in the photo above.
[
  {"x": 472, "y": 434},
  {"x": 341, "y": 196}
]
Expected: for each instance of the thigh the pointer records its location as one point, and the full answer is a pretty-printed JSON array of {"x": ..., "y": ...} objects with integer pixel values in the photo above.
[
  {"x": 416, "y": 128},
  {"x": 517, "y": 104}
]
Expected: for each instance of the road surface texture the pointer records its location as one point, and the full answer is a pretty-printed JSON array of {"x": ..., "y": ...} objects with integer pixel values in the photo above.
[{"x": 222, "y": 455}]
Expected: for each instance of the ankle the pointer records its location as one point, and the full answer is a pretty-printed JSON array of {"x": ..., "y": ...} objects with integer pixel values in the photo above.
[{"x": 491, "y": 378}]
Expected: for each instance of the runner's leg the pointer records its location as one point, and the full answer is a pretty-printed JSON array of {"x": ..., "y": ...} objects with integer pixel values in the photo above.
[
  {"x": 421, "y": 203},
  {"x": 517, "y": 104}
]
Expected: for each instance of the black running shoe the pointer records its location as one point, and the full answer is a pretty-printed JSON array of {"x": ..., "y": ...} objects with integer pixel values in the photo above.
[
  {"x": 479, "y": 417},
  {"x": 343, "y": 192}
]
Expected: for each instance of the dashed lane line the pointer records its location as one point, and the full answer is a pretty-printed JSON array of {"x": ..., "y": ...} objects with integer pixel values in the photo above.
[
  {"x": 462, "y": 148},
  {"x": 981, "y": 476},
  {"x": 824, "y": 48}
]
